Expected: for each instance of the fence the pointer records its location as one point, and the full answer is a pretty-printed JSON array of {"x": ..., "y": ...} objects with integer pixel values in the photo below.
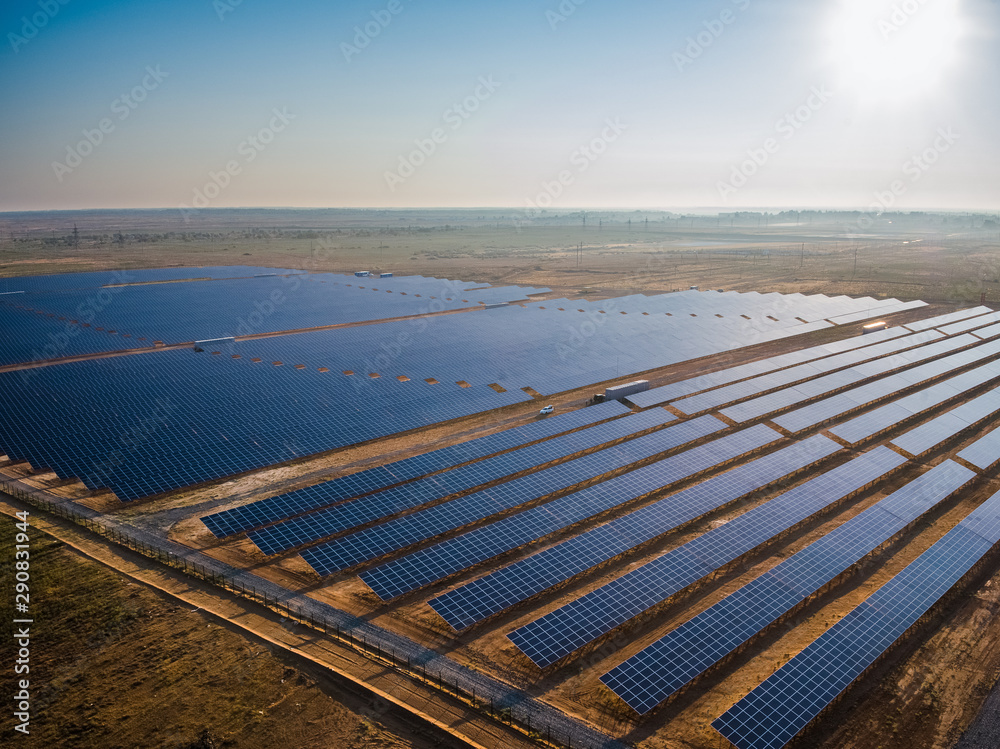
[{"x": 540, "y": 732}]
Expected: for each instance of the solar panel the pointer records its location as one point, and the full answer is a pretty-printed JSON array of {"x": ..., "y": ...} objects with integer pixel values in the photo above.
[
  {"x": 849, "y": 400},
  {"x": 868, "y": 314},
  {"x": 396, "y": 534},
  {"x": 932, "y": 433},
  {"x": 325, "y": 522},
  {"x": 970, "y": 324},
  {"x": 984, "y": 452},
  {"x": 285, "y": 505},
  {"x": 433, "y": 563},
  {"x": 559, "y": 633},
  {"x": 937, "y": 322},
  {"x": 141, "y": 425},
  {"x": 259, "y": 304},
  {"x": 677, "y": 390},
  {"x": 774, "y": 712},
  {"x": 30, "y": 335},
  {"x": 990, "y": 331},
  {"x": 885, "y": 417},
  {"x": 813, "y": 372},
  {"x": 658, "y": 671},
  {"x": 836, "y": 380},
  {"x": 98, "y": 279},
  {"x": 481, "y": 598}
]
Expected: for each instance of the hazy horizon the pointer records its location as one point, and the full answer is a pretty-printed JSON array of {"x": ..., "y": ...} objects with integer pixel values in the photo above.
[{"x": 566, "y": 105}]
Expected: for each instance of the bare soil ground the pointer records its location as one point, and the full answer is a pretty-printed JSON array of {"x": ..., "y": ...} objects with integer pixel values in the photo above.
[{"x": 115, "y": 664}]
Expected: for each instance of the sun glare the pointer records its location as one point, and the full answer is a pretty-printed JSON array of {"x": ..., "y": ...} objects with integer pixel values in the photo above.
[{"x": 894, "y": 50}]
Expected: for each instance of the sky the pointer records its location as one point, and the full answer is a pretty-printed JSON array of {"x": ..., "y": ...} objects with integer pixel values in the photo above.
[{"x": 553, "y": 104}]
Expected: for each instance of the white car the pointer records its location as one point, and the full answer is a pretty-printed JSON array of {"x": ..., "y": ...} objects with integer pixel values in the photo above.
[{"x": 546, "y": 411}]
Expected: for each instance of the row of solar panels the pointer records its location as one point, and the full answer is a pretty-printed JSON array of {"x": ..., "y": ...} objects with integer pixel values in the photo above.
[
  {"x": 265, "y": 511},
  {"x": 49, "y": 321},
  {"x": 806, "y": 371},
  {"x": 97, "y": 279},
  {"x": 177, "y": 313},
  {"x": 855, "y": 471},
  {"x": 395, "y": 534},
  {"x": 661, "y": 669},
  {"x": 144, "y": 424},
  {"x": 572, "y": 626},
  {"x": 439, "y": 561},
  {"x": 561, "y": 632},
  {"x": 762, "y": 308},
  {"x": 325, "y": 494},
  {"x": 774, "y": 712},
  {"x": 436, "y": 562},
  {"x": 317, "y": 525},
  {"x": 816, "y": 354},
  {"x": 483, "y": 597},
  {"x": 651, "y": 676},
  {"x": 222, "y": 416}
]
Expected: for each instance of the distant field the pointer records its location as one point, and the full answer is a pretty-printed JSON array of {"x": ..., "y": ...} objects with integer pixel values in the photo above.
[{"x": 946, "y": 257}]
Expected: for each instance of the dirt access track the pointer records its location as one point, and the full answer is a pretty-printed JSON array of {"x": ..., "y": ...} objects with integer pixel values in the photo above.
[{"x": 446, "y": 722}]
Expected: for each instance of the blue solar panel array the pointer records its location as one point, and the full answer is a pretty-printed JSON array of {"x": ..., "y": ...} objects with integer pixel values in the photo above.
[
  {"x": 581, "y": 621},
  {"x": 491, "y": 347},
  {"x": 383, "y": 504},
  {"x": 984, "y": 452},
  {"x": 849, "y": 400},
  {"x": 658, "y": 671},
  {"x": 805, "y": 371},
  {"x": 488, "y": 595},
  {"x": 773, "y": 713},
  {"x": 144, "y": 424},
  {"x": 27, "y": 335},
  {"x": 676, "y": 390},
  {"x": 178, "y": 313},
  {"x": 435, "y": 562},
  {"x": 409, "y": 529},
  {"x": 357, "y": 383},
  {"x": 97, "y": 279},
  {"x": 845, "y": 378},
  {"x": 283, "y": 506},
  {"x": 885, "y": 417},
  {"x": 752, "y": 310},
  {"x": 932, "y": 433}
]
